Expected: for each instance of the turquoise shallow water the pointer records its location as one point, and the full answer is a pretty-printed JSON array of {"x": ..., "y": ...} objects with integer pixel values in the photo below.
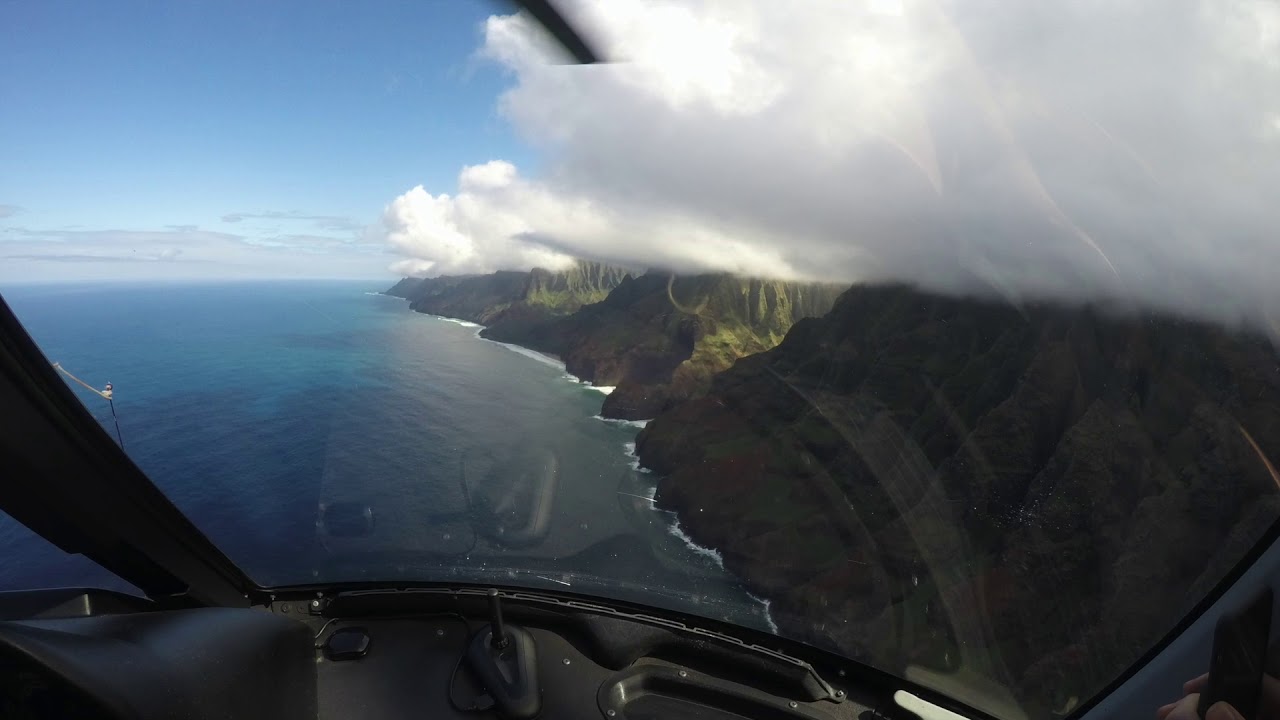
[{"x": 253, "y": 406}]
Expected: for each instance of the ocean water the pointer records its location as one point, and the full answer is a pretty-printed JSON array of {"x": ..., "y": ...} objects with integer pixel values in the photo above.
[{"x": 265, "y": 411}]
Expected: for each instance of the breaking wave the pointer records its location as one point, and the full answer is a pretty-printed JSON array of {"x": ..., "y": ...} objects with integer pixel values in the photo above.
[
  {"x": 714, "y": 555},
  {"x": 619, "y": 421}
]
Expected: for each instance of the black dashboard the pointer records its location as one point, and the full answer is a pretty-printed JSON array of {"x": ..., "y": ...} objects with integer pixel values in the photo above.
[{"x": 403, "y": 654}]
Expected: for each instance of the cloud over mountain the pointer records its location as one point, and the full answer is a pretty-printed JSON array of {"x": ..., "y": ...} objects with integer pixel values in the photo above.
[{"x": 1126, "y": 149}]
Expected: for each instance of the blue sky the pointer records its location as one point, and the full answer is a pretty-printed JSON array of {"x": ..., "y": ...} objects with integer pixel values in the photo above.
[{"x": 133, "y": 132}]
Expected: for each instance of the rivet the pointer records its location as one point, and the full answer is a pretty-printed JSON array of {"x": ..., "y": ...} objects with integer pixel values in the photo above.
[
  {"x": 684, "y": 673},
  {"x": 315, "y": 603},
  {"x": 610, "y": 712},
  {"x": 793, "y": 704},
  {"x": 565, "y": 661}
]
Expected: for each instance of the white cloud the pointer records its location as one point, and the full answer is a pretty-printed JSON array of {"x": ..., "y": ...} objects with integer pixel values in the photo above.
[
  {"x": 1101, "y": 148},
  {"x": 499, "y": 220},
  {"x": 474, "y": 231}
]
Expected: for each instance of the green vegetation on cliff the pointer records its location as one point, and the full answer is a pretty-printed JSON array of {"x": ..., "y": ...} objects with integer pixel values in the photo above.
[
  {"x": 1029, "y": 495},
  {"x": 660, "y": 338},
  {"x": 657, "y": 338},
  {"x": 516, "y": 302},
  {"x": 580, "y": 284}
]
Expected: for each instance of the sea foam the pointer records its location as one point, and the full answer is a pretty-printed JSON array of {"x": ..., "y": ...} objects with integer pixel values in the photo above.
[
  {"x": 619, "y": 421},
  {"x": 531, "y": 354},
  {"x": 456, "y": 321},
  {"x": 715, "y": 556},
  {"x": 768, "y": 616},
  {"x": 629, "y": 449}
]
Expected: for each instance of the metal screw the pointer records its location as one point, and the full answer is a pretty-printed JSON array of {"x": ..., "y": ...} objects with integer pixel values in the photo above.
[
  {"x": 315, "y": 603},
  {"x": 684, "y": 673},
  {"x": 793, "y": 704},
  {"x": 565, "y": 661}
]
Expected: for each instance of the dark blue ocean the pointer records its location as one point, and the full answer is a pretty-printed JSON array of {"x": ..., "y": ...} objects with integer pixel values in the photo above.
[{"x": 258, "y": 408}]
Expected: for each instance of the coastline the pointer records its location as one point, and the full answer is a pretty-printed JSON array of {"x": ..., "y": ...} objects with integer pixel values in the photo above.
[
  {"x": 538, "y": 355},
  {"x": 672, "y": 517}
]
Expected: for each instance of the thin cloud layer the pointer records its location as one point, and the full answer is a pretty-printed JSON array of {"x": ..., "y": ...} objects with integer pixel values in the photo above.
[
  {"x": 1125, "y": 150},
  {"x": 180, "y": 252},
  {"x": 324, "y": 222}
]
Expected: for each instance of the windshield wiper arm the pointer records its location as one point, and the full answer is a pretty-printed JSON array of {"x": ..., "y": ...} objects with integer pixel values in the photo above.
[{"x": 561, "y": 29}]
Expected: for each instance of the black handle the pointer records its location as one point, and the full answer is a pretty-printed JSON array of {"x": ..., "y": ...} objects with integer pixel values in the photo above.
[
  {"x": 505, "y": 660},
  {"x": 1239, "y": 657},
  {"x": 498, "y": 631}
]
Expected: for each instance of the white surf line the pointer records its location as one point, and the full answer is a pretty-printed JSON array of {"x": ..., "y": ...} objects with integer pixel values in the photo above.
[
  {"x": 531, "y": 354},
  {"x": 677, "y": 531},
  {"x": 620, "y": 421},
  {"x": 459, "y": 321},
  {"x": 715, "y": 555},
  {"x": 768, "y": 616},
  {"x": 517, "y": 349},
  {"x": 527, "y": 352},
  {"x": 629, "y": 449}
]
